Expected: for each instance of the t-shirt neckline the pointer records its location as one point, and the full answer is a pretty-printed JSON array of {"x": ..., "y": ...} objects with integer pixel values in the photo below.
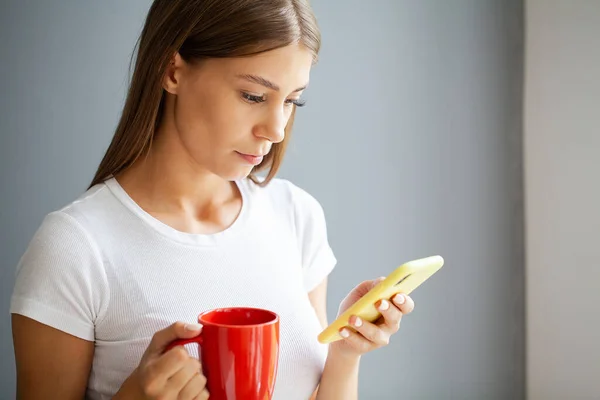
[{"x": 211, "y": 239}]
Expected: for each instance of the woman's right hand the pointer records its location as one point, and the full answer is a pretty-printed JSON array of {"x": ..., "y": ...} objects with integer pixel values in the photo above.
[{"x": 171, "y": 375}]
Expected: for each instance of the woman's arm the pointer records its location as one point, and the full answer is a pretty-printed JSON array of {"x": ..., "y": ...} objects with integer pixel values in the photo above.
[
  {"x": 340, "y": 375},
  {"x": 50, "y": 364}
]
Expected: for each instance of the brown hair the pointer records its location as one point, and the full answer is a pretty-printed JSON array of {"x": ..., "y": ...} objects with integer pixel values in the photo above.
[{"x": 201, "y": 29}]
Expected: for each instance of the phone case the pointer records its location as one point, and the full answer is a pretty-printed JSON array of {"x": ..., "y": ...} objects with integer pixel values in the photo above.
[{"x": 403, "y": 279}]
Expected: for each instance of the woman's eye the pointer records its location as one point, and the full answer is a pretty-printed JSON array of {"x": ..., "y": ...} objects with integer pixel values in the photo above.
[
  {"x": 252, "y": 98},
  {"x": 296, "y": 102}
]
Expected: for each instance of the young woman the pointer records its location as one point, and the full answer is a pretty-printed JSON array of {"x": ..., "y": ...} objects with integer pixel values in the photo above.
[{"x": 176, "y": 222}]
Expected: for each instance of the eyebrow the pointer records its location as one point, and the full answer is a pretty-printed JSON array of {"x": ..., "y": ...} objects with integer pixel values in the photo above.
[{"x": 264, "y": 82}]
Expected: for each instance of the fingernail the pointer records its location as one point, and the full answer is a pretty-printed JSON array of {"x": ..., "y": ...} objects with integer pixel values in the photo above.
[
  {"x": 384, "y": 305},
  {"x": 192, "y": 327},
  {"x": 399, "y": 299},
  {"x": 344, "y": 333},
  {"x": 357, "y": 322}
]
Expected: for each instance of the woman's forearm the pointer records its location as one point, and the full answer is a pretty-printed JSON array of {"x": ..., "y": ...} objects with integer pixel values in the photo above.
[{"x": 340, "y": 377}]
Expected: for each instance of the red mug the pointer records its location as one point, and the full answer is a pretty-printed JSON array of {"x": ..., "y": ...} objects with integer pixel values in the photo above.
[{"x": 239, "y": 352}]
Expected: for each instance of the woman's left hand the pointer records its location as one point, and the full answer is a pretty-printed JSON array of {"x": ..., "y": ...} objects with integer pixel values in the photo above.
[{"x": 366, "y": 336}]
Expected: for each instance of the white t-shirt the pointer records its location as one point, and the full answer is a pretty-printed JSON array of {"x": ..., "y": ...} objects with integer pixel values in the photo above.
[{"x": 104, "y": 270}]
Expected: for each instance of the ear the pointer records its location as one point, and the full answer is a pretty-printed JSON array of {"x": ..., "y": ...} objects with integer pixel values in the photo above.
[{"x": 172, "y": 77}]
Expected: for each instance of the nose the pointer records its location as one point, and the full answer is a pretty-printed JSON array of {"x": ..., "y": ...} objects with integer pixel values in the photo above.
[{"x": 273, "y": 126}]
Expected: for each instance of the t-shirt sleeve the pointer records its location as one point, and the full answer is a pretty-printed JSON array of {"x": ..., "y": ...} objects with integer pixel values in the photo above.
[
  {"x": 60, "y": 279},
  {"x": 318, "y": 259}
]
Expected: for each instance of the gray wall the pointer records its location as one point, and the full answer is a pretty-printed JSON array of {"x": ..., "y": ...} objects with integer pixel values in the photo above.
[
  {"x": 562, "y": 138},
  {"x": 411, "y": 141}
]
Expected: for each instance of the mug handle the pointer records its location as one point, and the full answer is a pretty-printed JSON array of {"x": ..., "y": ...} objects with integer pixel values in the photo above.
[{"x": 181, "y": 342}]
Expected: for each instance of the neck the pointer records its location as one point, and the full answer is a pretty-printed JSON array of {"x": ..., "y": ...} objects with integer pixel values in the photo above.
[{"x": 167, "y": 180}]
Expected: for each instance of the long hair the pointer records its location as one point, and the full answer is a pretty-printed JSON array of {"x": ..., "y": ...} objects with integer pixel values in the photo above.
[{"x": 202, "y": 29}]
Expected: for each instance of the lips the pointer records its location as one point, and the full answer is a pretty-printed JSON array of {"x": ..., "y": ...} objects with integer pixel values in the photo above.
[{"x": 251, "y": 158}]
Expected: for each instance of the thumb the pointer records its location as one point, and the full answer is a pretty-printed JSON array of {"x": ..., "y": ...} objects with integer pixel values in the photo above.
[
  {"x": 178, "y": 330},
  {"x": 372, "y": 283},
  {"x": 377, "y": 281},
  {"x": 365, "y": 286}
]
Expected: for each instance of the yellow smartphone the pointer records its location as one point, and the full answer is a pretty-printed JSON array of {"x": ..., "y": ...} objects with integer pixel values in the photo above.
[{"x": 403, "y": 279}]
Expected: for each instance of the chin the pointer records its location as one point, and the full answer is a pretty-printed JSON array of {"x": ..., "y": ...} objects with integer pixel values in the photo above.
[{"x": 236, "y": 174}]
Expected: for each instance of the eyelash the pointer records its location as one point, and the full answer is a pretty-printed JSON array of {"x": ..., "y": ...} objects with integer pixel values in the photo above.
[{"x": 260, "y": 99}]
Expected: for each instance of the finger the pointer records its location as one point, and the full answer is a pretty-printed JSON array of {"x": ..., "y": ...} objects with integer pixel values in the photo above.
[
  {"x": 204, "y": 395},
  {"x": 374, "y": 283},
  {"x": 377, "y": 281},
  {"x": 370, "y": 331},
  {"x": 169, "y": 364},
  {"x": 391, "y": 316},
  {"x": 404, "y": 303},
  {"x": 195, "y": 389},
  {"x": 363, "y": 288},
  {"x": 357, "y": 341},
  {"x": 183, "y": 377},
  {"x": 178, "y": 330}
]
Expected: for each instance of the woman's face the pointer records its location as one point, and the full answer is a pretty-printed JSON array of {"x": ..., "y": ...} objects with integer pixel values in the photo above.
[{"x": 225, "y": 114}]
